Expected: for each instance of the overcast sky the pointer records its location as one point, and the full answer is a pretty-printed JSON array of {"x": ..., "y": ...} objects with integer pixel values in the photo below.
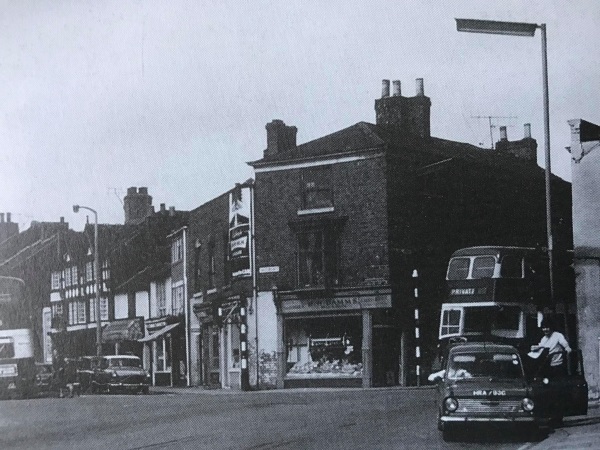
[{"x": 97, "y": 96}]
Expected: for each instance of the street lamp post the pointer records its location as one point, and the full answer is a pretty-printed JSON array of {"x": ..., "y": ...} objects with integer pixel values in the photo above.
[
  {"x": 76, "y": 209},
  {"x": 526, "y": 29}
]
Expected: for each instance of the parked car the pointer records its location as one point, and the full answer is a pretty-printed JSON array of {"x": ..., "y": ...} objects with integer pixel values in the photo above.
[
  {"x": 86, "y": 368},
  {"x": 44, "y": 378},
  {"x": 486, "y": 383},
  {"x": 120, "y": 373}
]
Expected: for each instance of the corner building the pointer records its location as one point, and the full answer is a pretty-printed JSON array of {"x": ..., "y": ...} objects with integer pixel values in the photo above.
[{"x": 354, "y": 231}]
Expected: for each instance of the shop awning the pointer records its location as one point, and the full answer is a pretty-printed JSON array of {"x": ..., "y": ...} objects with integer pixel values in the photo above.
[
  {"x": 122, "y": 330},
  {"x": 158, "y": 333}
]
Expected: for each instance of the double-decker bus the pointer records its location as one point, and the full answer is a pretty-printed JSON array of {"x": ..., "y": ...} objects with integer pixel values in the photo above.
[
  {"x": 17, "y": 363},
  {"x": 501, "y": 293}
]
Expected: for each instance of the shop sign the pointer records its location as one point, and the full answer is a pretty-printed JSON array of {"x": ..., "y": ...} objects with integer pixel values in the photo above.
[
  {"x": 336, "y": 304},
  {"x": 268, "y": 269},
  {"x": 239, "y": 232}
]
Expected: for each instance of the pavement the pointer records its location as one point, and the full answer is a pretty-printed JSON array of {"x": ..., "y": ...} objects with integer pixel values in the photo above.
[{"x": 581, "y": 432}]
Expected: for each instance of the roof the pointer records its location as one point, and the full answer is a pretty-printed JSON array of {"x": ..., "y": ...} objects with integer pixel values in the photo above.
[
  {"x": 492, "y": 250},
  {"x": 361, "y": 136},
  {"x": 477, "y": 347}
]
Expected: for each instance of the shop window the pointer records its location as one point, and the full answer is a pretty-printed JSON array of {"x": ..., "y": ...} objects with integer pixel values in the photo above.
[
  {"x": 163, "y": 355},
  {"x": 317, "y": 189},
  {"x": 317, "y": 258},
  {"x": 215, "y": 349},
  {"x": 324, "y": 347},
  {"x": 234, "y": 344}
]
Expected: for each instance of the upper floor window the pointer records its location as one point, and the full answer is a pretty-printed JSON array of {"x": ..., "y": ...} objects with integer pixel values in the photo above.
[
  {"x": 197, "y": 269},
  {"x": 178, "y": 300},
  {"x": 316, "y": 184},
  {"x": 55, "y": 280},
  {"x": 212, "y": 282},
  {"x": 317, "y": 258},
  {"x": 89, "y": 271},
  {"x": 177, "y": 250},
  {"x": 161, "y": 299}
]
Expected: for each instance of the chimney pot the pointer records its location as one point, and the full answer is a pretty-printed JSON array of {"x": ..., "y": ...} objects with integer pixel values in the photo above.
[
  {"x": 527, "y": 130},
  {"x": 131, "y": 190},
  {"x": 62, "y": 219},
  {"x": 163, "y": 207},
  {"x": 143, "y": 190},
  {"x": 503, "y": 135},
  {"x": 385, "y": 88},
  {"x": 420, "y": 88},
  {"x": 1, "y": 217},
  {"x": 8, "y": 218},
  {"x": 396, "y": 92},
  {"x": 171, "y": 210}
]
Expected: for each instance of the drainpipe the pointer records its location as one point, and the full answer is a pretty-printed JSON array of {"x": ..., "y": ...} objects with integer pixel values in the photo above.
[
  {"x": 186, "y": 309},
  {"x": 254, "y": 286}
]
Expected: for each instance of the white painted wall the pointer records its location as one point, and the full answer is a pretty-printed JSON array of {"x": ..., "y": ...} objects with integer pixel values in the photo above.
[
  {"x": 142, "y": 304},
  {"x": 121, "y": 306}
]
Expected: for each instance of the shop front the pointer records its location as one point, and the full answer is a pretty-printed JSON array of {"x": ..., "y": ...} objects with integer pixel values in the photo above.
[
  {"x": 164, "y": 351},
  {"x": 223, "y": 328},
  {"x": 327, "y": 340},
  {"x": 121, "y": 336}
]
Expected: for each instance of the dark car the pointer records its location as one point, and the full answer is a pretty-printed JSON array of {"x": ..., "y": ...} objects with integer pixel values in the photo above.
[
  {"x": 86, "y": 367},
  {"x": 44, "y": 378},
  {"x": 120, "y": 373}
]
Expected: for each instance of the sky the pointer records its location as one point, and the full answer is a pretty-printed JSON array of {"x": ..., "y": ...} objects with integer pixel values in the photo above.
[{"x": 98, "y": 96}]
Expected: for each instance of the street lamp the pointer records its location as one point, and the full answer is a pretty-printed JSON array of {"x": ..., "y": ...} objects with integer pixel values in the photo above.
[
  {"x": 76, "y": 209},
  {"x": 525, "y": 29}
]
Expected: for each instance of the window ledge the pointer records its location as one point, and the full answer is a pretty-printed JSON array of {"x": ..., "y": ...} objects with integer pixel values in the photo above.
[{"x": 304, "y": 212}]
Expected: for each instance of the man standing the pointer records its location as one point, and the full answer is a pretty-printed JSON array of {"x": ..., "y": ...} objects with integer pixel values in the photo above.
[{"x": 556, "y": 344}]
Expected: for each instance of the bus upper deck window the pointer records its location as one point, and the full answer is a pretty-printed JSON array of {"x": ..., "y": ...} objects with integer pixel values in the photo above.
[
  {"x": 483, "y": 267},
  {"x": 458, "y": 269},
  {"x": 511, "y": 267}
]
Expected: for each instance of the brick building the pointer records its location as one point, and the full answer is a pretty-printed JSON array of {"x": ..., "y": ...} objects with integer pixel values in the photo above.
[{"x": 343, "y": 221}]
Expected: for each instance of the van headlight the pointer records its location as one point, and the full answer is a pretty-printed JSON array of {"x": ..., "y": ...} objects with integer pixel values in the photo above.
[
  {"x": 450, "y": 404},
  {"x": 527, "y": 404}
]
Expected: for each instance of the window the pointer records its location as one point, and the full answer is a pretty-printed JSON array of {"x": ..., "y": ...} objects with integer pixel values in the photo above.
[
  {"x": 178, "y": 301},
  {"x": 511, "y": 267},
  {"x": 450, "y": 322},
  {"x": 161, "y": 299},
  {"x": 211, "y": 267},
  {"x": 483, "y": 267},
  {"x": 104, "y": 308},
  {"x": 81, "y": 312},
  {"x": 67, "y": 276},
  {"x": 89, "y": 271},
  {"x": 177, "y": 250},
  {"x": 197, "y": 269},
  {"x": 57, "y": 310},
  {"x": 74, "y": 275},
  {"x": 317, "y": 189},
  {"x": 317, "y": 258},
  {"x": 458, "y": 269},
  {"x": 55, "y": 280}
]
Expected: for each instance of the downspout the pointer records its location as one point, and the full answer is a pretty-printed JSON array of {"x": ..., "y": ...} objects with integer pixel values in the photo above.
[
  {"x": 254, "y": 286},
  {"x": 186, "y": 309}
]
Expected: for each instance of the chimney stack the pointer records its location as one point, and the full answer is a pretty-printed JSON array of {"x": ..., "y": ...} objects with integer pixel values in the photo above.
[
  {"x": 137, "y": 205},
  {"x": 503, "y": 135},
  {"x": 163, "y": 207},
  {"x": 385, "y": 88},
  {"x": 420, "y": 88},
  {"x": 171, "y": 211},
  {"x": 527, "y": 130},
  {"x": 1, "y": 217},
  {"x": 8, "y": 217},
  {"x": 280, "y": 137},
  {"x": 405, "y": 115}
]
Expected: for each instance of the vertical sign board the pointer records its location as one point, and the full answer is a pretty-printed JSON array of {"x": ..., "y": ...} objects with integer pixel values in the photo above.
[{"x": 239, "y": 232}]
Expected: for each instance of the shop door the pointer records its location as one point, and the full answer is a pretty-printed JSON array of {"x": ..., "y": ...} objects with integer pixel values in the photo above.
[
  {"x": 386, "y": 348},
  {"x": 214, "y": 357}
]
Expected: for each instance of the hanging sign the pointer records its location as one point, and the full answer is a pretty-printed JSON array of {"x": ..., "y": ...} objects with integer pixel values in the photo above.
[{"x": 239, "y": 232}]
